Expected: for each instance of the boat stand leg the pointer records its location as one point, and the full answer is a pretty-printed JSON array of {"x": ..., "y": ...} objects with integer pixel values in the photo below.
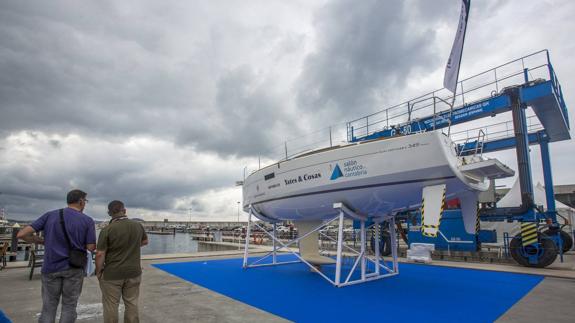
[
  {"x": 377, "y": 251},
  {"x": 393, "y": 236},
  {"x": 362, "y": 258},
  {"x": 363, "y": 242},
  {"x": 274, "y": 259},
  {"x": 247, "y": 244},
  {"x": 339, "y": 250}
]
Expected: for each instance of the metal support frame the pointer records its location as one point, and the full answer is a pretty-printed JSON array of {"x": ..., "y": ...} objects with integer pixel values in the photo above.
[
  {"x": 551, "y": 212},
  {"x": 362, "y": 259},
  {"x": 547, "y": 177}
]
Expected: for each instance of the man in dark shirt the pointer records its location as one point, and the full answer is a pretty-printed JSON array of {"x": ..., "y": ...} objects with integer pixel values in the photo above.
[
  {"x": 58, "y": 277},
  {"x": 118, "y": 264}
]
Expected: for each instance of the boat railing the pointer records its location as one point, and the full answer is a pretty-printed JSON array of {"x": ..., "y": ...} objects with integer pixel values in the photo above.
[
  {"x": 475, "y": 88},
  {"x": 478, "y": 149},
  {"x": 336, "y": 134},
  {"x": 327, "y": 137}
]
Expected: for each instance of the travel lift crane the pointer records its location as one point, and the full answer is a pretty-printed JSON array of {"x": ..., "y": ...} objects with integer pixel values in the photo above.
[{"x": 532, "y": 247}]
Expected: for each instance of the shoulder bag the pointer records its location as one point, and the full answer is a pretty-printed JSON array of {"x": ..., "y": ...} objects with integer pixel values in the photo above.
[{"x": 76, "y": 257}]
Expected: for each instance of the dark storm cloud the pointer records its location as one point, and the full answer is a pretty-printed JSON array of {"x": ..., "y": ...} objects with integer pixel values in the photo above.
[
  {"x": 110, "y": 69},
  {"x": 197, "y": 206},
  {"x": 191, "y": 74},
  {"x": 159, "y": 103},
  {"x": 248, "y": 117},
  {"x": 368, "y": 47},
  {"x": 114, "y": 70},
  {"x": 145, "y": 173}
]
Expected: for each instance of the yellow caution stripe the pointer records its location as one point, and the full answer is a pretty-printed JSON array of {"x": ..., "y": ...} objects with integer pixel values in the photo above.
[
  {"x": 477, "y": 224},
  {"x": 431, "y": 226},
  {"x": 440, "y": 215},
  {"x": 528, "y": 233},
  {"x": 422, "y": 216}
]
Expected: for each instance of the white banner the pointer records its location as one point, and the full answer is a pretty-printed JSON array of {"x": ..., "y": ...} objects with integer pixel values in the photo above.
[{"x": 452, "y": 68}]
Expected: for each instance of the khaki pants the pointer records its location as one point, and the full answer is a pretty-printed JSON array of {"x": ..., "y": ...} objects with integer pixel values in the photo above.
[{"x": 129, "y": 291}]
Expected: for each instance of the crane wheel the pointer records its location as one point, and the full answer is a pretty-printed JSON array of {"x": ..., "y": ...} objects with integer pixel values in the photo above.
[
  {"x": 567, "y": 240},
  {"x": 545, "y": 251}
]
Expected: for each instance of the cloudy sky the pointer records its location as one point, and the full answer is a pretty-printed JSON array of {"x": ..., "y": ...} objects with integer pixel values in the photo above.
[{"x": 163, "y": 103}]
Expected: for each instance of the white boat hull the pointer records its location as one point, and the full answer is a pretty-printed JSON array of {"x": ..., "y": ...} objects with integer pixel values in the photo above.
[{"x": 376, "y": 179}]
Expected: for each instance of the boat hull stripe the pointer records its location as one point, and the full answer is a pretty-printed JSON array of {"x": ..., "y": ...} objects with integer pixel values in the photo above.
[{"x": 356, "y": 188}]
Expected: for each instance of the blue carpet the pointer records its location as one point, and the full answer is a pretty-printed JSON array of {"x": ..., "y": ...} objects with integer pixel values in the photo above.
[
  {"x": 4, "y": 318},
  {"x": 419, "y": 293}
]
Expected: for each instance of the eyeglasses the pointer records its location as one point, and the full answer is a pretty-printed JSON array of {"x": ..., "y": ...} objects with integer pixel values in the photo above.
[{"x": 86, "y": 200}]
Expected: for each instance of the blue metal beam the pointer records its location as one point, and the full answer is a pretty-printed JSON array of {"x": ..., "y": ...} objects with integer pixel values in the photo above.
[
  {"x": 547, "y": 106},
  {"x": 547, "y": 176},
  {"x": 543, "y": 97},
  {"x": 478, "y": 110},
  {"x": 496, "y": 145}
]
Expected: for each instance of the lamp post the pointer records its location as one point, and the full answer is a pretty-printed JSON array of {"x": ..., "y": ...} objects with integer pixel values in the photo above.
[
  {"x": 238, "y": 212},
  {"x": 190, "y": 222},
  {"x": 2, "y": 210},
  {"x": 14, "y": 243},
  {"x": 240, "y": 233}
]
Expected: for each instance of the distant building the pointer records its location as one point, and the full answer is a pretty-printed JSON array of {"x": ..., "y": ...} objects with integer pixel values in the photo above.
[{"x": 565, "y": 194}]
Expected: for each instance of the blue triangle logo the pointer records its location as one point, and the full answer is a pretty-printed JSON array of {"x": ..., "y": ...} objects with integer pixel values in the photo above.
[{"x": 336, "y": 173}]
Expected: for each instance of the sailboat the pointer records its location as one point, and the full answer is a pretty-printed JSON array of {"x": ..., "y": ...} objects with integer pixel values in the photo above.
[{"x": 376, "y": 178}]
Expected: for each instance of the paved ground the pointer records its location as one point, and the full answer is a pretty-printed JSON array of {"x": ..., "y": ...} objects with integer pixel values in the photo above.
[
  {"x": 550, "y": 301},
  {"x": 165, "y": 298}
]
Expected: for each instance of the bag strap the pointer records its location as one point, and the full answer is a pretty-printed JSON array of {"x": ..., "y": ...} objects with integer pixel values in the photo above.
[{"x": 64, "y": 228}]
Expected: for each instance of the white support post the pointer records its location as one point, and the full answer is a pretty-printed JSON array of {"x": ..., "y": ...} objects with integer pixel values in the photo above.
[
  {"x": 247, "y": 244},
  {"x": 339, "y": 250},
  {"x": 274, "y": 258},
  {"x": 363, "y": 242},
  {"x": 377, "y": 251},
  {"x": 393, "y": 239}
]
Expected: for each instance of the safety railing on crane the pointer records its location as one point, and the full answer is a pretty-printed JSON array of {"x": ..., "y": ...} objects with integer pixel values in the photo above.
[
  {"x": 478, "y": 87},
  {"x": 496, "y": 131},
  {"x": 557, "y": 87}
]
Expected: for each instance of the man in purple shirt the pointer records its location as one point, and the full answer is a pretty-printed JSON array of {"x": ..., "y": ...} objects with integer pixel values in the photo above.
[{"x": 58, "y": 277}]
